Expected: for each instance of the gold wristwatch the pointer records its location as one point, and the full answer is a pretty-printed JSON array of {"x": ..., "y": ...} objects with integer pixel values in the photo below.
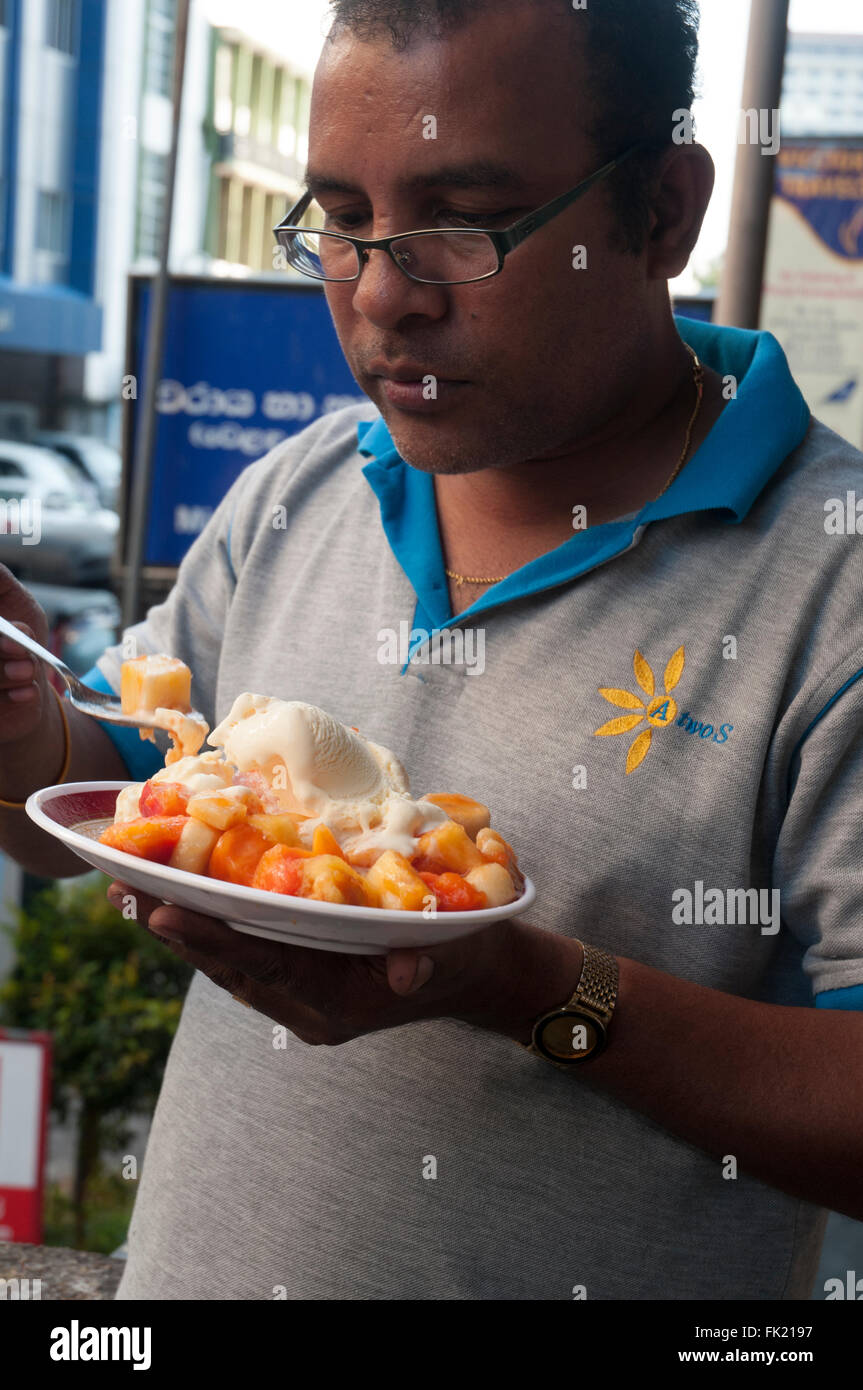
[{"x": 578, "y": 1030}]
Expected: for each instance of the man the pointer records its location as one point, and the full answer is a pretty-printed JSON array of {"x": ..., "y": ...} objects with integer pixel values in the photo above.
[{"x": 667, "y": 721}]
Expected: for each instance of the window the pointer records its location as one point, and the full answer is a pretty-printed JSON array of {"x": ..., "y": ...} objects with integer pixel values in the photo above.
[
  {"x": 159, "y": 62},
  {"x": 52, "y": 217},
  {"x": 4, "y": 18},
  {"x": 223, "y": 101},
  {"x": 61, "y": 25},
  {"x": 242, "y": 92},
  {"x": 152, "y": 190},
  {"x": 287, "y": 137},
  {"x": 255, "y": 94},
  {"x": 264, "y": 130}
]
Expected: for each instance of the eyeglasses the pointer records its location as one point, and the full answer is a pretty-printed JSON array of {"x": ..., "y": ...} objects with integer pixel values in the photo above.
[{"x": 439, "y": 256}]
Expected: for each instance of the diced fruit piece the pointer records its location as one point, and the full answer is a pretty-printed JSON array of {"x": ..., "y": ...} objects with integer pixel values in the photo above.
[
  {"x": 280, "y": 869},
  {"x": 495, "y": 882},
  {"x": 396, "y": 882},
  {"x": 163, "y": 799},
  {"x": 236, "y": 854},
  {"x": 329, "y": 879},
  {"x": 148, "y": 682},
  {"x": 194, "y": 847},
  {"x": 325, "y": 842},
  {"x": 454, "y": 893},
  {"x": 150, "y": 837},
  {"x": 281, "y": 826},
  {"x": 224, "y": 808},
  {"x": 495, "y": 849},
  {"x": 270, "y": 800},
  {"x": 462, "y": 809},
  {"x": 448, "y": 847}
]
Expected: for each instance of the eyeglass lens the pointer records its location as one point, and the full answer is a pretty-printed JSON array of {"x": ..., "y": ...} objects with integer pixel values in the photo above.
[{"x": 443, "y": 258}]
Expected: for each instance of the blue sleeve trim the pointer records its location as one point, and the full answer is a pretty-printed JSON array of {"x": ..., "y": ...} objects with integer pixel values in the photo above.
[
  {"x": 852, "y": 680},
  {"x": 849, "y": 998},
  {"x": 142, "y": 758}
]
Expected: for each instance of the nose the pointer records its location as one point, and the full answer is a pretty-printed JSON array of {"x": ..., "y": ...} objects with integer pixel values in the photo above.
[{"x": 385, "y": 295}]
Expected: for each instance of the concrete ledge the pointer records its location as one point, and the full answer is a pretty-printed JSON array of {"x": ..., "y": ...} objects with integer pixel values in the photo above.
[{"x": 63, "y": 1274}]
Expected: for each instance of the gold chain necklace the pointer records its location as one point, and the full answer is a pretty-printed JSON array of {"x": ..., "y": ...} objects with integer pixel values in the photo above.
[{"x": 698, "y": 378}]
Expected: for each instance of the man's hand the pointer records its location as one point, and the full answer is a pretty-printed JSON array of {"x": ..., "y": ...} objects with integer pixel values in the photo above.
[{"x": 500, "y": 978}]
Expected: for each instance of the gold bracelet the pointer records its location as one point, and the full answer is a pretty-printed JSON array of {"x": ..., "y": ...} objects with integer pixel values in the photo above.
[{"x": 67, "y": 757}]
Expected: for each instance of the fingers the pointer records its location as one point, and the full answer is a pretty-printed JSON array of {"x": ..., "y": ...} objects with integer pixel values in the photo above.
[
  {"x": 207, "y": 940},
  {"x": 139, "y": 906},
  {"x": 268, "y": 963},
  {"x": 408, "y": 971},
  {"x": 17, "y": 667}
]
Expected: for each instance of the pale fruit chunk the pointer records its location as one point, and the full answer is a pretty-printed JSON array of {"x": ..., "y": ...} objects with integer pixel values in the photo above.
[
  {"x": 450, "y": 846},
  {"x": 281, "y": 826},
  {"x": 222, "y": 809},
  {"x": 331, "y": 880},
  {"x": 397, "y": 884},
  {"x": 462, "y": 809},
  {"x": 148, "y": 683},
  {"x": 496, "y": 882},
  {"x": 493, "y": 847},
  {"x": 126, "y": 805},
  {"x": 194, "y": 847},
  {"x": 161, "y": 686}
]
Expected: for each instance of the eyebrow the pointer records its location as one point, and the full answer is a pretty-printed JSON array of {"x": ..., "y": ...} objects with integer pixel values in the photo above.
[{"x": 480, "y": 174}]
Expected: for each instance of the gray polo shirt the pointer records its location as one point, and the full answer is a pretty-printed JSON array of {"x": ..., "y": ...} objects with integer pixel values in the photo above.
[{"x": 668, "y": 710}]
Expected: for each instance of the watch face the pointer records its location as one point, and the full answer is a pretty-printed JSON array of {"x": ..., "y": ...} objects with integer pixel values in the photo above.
[{"x": 570, "y": 1037}]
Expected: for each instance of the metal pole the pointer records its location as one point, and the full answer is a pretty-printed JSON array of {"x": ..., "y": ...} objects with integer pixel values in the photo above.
[
  {"x": 139, "y": 503},
  {"x": 739, "y": 301}
]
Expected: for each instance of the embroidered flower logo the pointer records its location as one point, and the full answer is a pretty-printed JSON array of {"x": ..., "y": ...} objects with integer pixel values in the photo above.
[{"x": 658, "y": 710}]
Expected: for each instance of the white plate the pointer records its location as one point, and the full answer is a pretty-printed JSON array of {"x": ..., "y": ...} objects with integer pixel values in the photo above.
[{"x": 300, "y": 921}]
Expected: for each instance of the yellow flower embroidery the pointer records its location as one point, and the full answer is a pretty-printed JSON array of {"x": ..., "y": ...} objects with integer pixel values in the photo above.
[{"x": 659, "y": 712}]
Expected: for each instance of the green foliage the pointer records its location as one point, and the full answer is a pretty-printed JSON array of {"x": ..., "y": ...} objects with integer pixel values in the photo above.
[
  {"x": 109, "y": 1206},
  {"x": 108, "y": 992}
]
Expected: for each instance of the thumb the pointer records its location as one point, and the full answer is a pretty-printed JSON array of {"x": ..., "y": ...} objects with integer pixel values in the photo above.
[{"x": 408, "y": 971}]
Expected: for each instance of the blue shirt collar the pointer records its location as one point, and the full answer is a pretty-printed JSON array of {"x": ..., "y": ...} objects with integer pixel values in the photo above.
[{"x": 766, "y": 420}]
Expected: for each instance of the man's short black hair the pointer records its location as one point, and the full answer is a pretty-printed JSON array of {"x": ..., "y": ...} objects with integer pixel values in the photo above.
[{"x": 642, "y": 70}]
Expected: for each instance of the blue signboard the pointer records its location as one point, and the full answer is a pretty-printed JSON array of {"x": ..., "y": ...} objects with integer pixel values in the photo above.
[{"x": 246, "y": 365}]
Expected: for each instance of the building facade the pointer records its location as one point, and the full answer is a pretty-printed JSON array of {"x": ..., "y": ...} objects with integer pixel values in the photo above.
[
  {"x": 85, "y": 131},
  {"x": 52, "y": 55},
  {"x": 822, "y": 91},
  {"x": 257, "y": 132}
]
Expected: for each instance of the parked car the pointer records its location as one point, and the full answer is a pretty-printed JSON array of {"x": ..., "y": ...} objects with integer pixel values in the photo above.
[
  {"x": 93, "y": 458},
  {"x": 53, "y": 528}
]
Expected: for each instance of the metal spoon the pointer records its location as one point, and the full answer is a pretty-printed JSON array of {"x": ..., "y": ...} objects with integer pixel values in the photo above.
[{"x": 84, "y": 697}]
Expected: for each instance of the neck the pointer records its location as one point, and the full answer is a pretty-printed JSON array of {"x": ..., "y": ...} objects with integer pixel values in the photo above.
[{"x": 498, "y": 519}]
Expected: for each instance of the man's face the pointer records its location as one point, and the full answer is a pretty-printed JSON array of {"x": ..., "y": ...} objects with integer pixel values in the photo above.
[{"x": 526, "y": 363}]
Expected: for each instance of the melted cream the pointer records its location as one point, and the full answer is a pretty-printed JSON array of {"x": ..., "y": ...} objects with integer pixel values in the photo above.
[{"x": 327, "y": 772}]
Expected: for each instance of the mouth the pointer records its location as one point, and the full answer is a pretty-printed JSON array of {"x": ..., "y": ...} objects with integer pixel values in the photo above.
[{"x": 415, "y": 388}]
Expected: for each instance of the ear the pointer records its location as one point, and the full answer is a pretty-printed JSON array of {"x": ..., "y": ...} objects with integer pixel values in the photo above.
[{"x": 679, "y": 198}]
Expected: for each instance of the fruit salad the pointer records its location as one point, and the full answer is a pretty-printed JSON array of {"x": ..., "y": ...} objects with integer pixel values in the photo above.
[{"x": 290, "y": 800}]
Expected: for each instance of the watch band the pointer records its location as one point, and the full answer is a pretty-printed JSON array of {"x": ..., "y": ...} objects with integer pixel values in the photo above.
[
  {"x": 597, "y": 986},
  {"x": 595, "y": 993}
]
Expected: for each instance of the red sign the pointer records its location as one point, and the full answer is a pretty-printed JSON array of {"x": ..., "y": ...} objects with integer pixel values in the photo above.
[{"x": 25, "y": 1085}]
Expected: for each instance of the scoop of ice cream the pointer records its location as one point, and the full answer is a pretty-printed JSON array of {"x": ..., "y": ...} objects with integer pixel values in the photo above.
[
  {"x": 323, "y": 770},
  {"x": 305, "y": 753}
]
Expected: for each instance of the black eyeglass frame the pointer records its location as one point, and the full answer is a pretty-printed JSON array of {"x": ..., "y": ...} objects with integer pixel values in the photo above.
[{"x": 504, "y": 241}]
